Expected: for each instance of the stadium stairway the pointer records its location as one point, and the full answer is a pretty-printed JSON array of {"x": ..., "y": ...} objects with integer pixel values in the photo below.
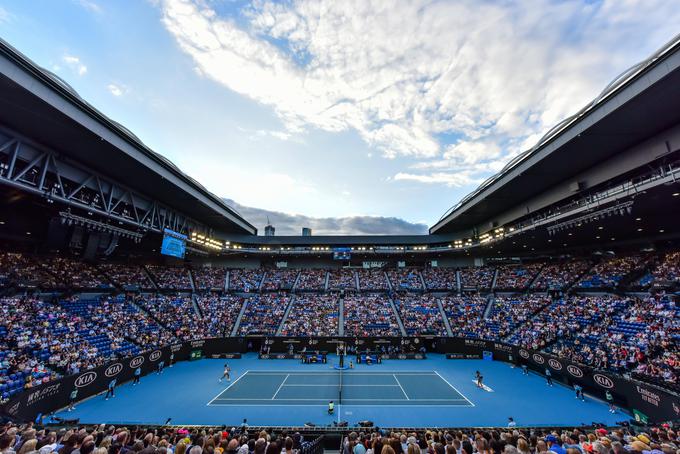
[
  {"x": 192, "y": 282},
  {"x": 422, "y": 281},
  {"x": 578, "y": 278},
  {"x": 150, "y": 277},
  {"x": 447, "y": 325},
  {"x": 341, "y": 313},
  {"x": 531, "y": 283},
  {"x": 237, "y": 323},
  {"x": 389, "y": 284},
  {"x": 489, "y": 304},
  {"x": 398, "y": 317},
  {"x": 458, "y": 286},
  {"x": 328, "y": 278},
  {"x": 285, "y": 315},
  {"x": 356, "y": 281},
  {"x": 194, "y": 303},
  {"x": 259, "y": 286},
  {"x": 226, "y": 281},
  {"x": 495, "y": 278}
]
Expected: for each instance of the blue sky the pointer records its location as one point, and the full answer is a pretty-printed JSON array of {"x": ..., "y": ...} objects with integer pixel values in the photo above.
[{"x": 336, "y": 109}]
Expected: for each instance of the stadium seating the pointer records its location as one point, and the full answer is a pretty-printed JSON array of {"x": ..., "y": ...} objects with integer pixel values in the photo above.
[
  {"x": 405, "y": 279},
  {"x": 369, "y": 315},
  {"x": 312, "y": 315},
  {"x": 40, "y": 339}
]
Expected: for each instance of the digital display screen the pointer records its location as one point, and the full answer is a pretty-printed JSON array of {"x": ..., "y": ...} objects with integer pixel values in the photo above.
[
  {"x": 174, "y": 244},
  {"x": 341, "y": 253}
]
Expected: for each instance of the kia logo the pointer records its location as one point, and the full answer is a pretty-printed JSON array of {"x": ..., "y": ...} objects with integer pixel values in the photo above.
[
  {"x": 136, "y": 362},
  {"x": 603, "y": 381},
  {"x": 113, "y": 370},
  {"x": 555, "y": 364},
  {"x": 86, "y": 379},
  {"x": 155, "y": 356},
  {"x": 538, "y": 358},
  {"x": 524, "y": 354},
  {"x": 14, "y": 408},
  {"x": 575, "y": 371}
]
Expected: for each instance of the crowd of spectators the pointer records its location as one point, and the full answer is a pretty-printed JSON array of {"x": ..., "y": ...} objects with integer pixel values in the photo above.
[
  {"x": 343, "y": 279},
  {"x": 175, "y": 313},
  {"x": 507, "y": 313},
  {"x": 637, "y": 335},
  {"x": 113, "y": 323},
  {"x": 512, "y": 440},
  {"x": 170, "y": 277},
  {"x": 465, "y": 314},
  {"x": 103, "y": 439},
  {"x": 420, "y": 315},
  {"x": 312, "y": 315},
  {"x": 209, "y": 278},
  {"x": 609, "y": 272},
  {"x": 405, "y": 279},
  {"x": 26, "y": 349},
  {"x": 665, "y": 274},
  {"x": 279, "y": 279},
  {"x": 517, "y": 277},
  {"x": 372, "y": 280},
  {"x": 369, "y": 315},
  {"x": 245, "y": 280},
  {"x": 24, "y": 271},
  {"x": 263, "y": 314},
  {"x": 479, "y": 277},
  {"x": 440, "y": 278},
  {"x": 311, "y": 279},
  {"x": 558, "y": 276},
  {"x": 563, "y": 319},
  {"x": 219, "y": 313},
  {"x": 126, "y": 276},
  {"x": 75, "y": 274}
]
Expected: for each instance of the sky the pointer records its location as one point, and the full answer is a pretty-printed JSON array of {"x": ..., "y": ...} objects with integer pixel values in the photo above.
[{"x": 385, "y": 112}]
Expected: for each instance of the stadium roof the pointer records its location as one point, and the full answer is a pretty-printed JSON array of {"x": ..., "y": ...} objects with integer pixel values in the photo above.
[
  {"x": 639, "y": 103},
  {"x": 44, "y": 108}
]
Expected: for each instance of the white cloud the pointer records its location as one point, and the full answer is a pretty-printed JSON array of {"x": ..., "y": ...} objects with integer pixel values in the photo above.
[
  {"x": 452, "y": 179},
  {"x": 291, "y": 224},
  {"x": 90, "y": 5},
  {"x": 404, "y": 74},
  {"x": 5, "y": 16},
  {"x": 116, "y": 89},
  {"x": 75, "y": 64}
]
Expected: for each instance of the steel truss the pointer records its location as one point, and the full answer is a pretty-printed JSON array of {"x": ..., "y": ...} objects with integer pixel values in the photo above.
[{"x": 33, "y": 168}]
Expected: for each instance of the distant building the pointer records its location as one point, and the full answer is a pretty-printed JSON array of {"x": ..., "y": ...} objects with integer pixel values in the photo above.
[
  {"x": 306, "y": 231},
  {"x": 269, "y": 230}
]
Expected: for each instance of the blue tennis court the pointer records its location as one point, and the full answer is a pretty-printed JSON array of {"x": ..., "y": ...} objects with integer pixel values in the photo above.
[{"x": 297, "y": 388}]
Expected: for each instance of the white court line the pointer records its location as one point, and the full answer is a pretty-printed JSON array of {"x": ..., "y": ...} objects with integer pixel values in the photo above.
[
  {"x": 455, "y": 389},
  {"x": 402, "y": 388},
  {"x": 346, "y": 400},
  {"x": 225, "y": 389},
  {"x": 484, "y": 387},
  {"x": 331, "y": 385},
  {"x": 280, "y": 386},
  {"x": 312, "y": 372},
  {"x": 349, "y": 405}
]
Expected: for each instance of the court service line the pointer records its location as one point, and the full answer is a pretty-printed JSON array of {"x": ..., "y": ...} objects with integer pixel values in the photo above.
[
  {"x": 344, "y": 400},
  {"x": 455, "y": 389},
  {"x": 331, "y": 385},
  {"x": 349, "y": 405},
  {"x": 400, "y": 387},
  {"x": 225, "y": 389},
  {"x": 280, "y": 386}
]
